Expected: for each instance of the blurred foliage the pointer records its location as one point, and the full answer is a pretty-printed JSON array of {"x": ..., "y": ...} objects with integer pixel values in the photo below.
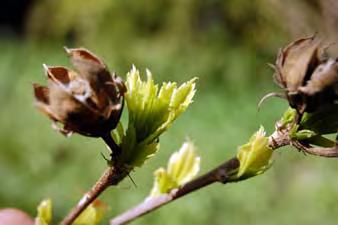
[
  {"x": 225, "y": 43},
  {"x": 219, "y": 41}
]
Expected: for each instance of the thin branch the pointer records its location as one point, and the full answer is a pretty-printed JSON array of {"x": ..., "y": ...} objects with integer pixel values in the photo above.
[
  {"x": 111, "y": 176},
  {"x": 115, "y": 149},
  {"x": 90, "y": 196},
  {"x": 329, "y": 152},
  {"x": 219, "y": 174}
]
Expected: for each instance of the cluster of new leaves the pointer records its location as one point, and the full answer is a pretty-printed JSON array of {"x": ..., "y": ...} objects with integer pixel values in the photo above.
[
  {"x": 92, "y": 215},
  {"x": 182, "y": 167},
  {"x": 151, "y": 110}
]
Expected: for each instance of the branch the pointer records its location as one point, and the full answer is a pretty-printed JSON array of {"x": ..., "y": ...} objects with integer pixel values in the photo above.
[
  {"x": 111, "y": 176},
  {"x": 329, "y": 152},
  {"x": 219, "y": 174}
]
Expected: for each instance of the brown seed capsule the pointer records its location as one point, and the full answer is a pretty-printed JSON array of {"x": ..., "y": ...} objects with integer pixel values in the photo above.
[
  {"x": 307, "y": 77},
  {"x": 88, "y": 101}
]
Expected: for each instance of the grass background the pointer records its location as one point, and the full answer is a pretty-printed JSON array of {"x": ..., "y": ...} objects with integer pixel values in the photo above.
[{"x": 230, "y": 60}]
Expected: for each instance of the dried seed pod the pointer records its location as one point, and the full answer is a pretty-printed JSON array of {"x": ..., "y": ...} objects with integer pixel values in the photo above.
[
  {"x": 87, "y": 101},
  {"x": 308, "y": 78}
]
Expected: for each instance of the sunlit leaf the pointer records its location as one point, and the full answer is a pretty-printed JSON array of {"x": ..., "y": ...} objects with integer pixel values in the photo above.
[
  {"x": 151, "y": 110},
  {"x": 92, "y": 215},
  {"x": 255, "y": 155},
  {"x": 183, "y": 166},
  {"x": 44, "y": 216}
]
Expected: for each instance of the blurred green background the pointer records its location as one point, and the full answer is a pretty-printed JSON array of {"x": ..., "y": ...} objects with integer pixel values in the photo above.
[{"x": 227, "y": 44}]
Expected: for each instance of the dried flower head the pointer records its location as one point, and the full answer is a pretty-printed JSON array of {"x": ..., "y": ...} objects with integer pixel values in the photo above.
[
  {"x": 87, "y": 100},
  {"x": 309, "y": 79}
]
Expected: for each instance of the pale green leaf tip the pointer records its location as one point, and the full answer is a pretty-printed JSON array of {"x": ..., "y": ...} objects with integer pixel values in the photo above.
[
  {"x": 182, "y": 167},
  {"x": 92, "y": 215},
  {"x": 44, "y": 213},
  {"x": 254, "y": 156},
  {"x": 152, "y": 110},
  {"x": 288, "y": 116}
]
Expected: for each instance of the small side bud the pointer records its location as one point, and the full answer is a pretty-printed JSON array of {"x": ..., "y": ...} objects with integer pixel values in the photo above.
[
  {"x": 44, "y": 216},
  {"x": 183, "y": 166},
  {"x": 254, "y": 156}
]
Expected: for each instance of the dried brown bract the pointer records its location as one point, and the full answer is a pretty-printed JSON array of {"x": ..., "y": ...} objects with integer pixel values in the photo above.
[
  {"x": 308, "y": 78},
  {"x": 87, "y": 100}
]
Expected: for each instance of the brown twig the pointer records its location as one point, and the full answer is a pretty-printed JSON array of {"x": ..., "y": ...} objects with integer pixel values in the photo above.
[
  {"x": 102, "y": 184},
  {"x": 219, "y": 174},
  {"x": 111, "y": 176},
  {"x": 328, "y": 152}
]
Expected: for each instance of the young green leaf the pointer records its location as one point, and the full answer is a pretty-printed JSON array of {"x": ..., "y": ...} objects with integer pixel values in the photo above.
[
  {"x": 44, "y": 216},
  {"x": 288, "y": 116},
  {"x": 183, "y": 166},
  {"x": 92, "y": 215},
  {"x": 151, "y": 110},
  {"x": 254, "y": 156}
]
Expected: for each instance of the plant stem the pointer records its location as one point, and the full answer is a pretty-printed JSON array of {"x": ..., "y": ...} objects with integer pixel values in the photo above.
[
  {"x": 328, "y": 152},
  {"x": 114, "y": 148},
  {"x": 111, "y": 176},
  {"x": 219, "y": 174}
]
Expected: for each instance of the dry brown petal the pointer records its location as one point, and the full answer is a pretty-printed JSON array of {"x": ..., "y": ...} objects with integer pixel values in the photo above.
[
  {"x": 324, "y": 76},
  {"x": 63, "y": 103},
  {"x": 41, "y": 93},
  {"x": 57, "y": 74},
  {"x": 89, "y": 66},
  {"x": 295, "y": 62}
]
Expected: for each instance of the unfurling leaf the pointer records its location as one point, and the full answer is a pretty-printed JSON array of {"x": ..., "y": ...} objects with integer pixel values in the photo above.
[
  {"x": 92, "y": 215},
  {"x": 183, "y": 166},
  {"x": 151, "y": 110},
  {"x": 299, "y": 135},
  {"x": 288, "y": 117},
  {"x": 254, "y": 156},
  {"x": 44, "y": 216}
]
